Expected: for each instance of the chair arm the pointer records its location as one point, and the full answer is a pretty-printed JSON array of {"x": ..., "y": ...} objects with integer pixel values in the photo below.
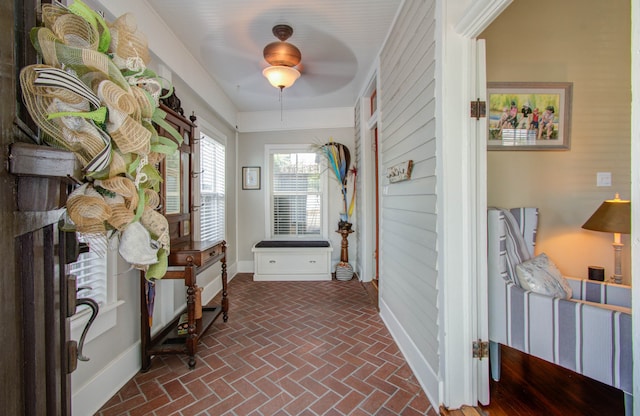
[{"x": 600, "y": 292}]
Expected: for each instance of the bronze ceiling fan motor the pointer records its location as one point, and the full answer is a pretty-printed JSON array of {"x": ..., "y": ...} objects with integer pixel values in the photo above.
[{"x": 282, "y": 53}]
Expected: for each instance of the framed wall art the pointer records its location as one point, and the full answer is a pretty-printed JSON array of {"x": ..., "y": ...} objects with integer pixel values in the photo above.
[
  {"x": 251, "y": 177},
  {"x": 529, "y": 115}
]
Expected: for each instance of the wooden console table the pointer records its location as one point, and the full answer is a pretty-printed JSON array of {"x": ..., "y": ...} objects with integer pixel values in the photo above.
[{"x": 186, "y": 261}]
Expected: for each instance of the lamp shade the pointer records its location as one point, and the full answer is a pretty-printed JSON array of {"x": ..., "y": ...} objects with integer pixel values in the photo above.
[
  {"x": 281, "y": 76},
  {"x": 613, "y": 216}
]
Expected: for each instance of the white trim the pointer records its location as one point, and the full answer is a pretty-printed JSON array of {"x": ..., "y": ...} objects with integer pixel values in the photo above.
[
  {"x": 366, "y": 173},
  {"x": 211, "y": 131},
  {"x": 89, "y": 398},
  {"x": 635, "y": 196},
  {"x": 426, "y": 376},
  {"x": 220, "y": 139},
  {"x": 266, "y": 180},
  {"x": 301, "y": 119},
  {"x": 245, "y": 266},
  {"x": 478, "y": 133},
  {"x": 203, "y": 127},
  {"x": 458, "y": 199},
  {"x": 107, "y": 312},
  {"x": 211, "y": 289},
  {"x": 106, "y": 319},
  {"x": 236, "y": 192},
  {"x": 454, "y": 274},
  {"x": 232, "y": 270},
  {"x": 479, "y": 16}
]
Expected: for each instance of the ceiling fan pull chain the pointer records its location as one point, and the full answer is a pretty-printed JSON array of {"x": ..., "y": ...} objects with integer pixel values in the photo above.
[{"x": 281, "y": 103}]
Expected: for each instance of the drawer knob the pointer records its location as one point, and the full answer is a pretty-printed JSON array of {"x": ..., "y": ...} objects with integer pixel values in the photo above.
[
  {"x": 272, "y": 261},
  {"x": 312, "y": 261}
]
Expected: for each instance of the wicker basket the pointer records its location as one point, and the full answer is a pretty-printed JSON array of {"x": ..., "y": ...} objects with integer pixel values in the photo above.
[{"x": 344, "y": 271}]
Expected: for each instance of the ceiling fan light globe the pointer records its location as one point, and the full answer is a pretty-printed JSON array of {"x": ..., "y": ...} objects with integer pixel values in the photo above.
[{"x": 281, "y": 76}]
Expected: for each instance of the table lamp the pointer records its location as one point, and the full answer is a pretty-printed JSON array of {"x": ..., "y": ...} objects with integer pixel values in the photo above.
[{"x": 613, "y": 216}]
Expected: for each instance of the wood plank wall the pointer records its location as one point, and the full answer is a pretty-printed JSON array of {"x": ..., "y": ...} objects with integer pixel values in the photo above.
[{"x": 408, "y": 235}]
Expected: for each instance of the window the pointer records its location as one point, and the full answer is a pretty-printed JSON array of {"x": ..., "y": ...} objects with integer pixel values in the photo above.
[
  {"x": 296, "y": 193},
  {"x": 95, "y": 272},
  {"x": 91, "y": 277},
  {"x": 212, "y": 189}
]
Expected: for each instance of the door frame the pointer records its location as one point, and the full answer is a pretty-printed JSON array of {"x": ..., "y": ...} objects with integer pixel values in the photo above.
[
  {"x": 463, "y": 301},
  {"x": 635, "y": 195},
  {"x": 469, "y": 26}
]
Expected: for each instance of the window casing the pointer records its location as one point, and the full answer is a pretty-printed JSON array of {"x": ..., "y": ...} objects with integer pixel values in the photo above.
[
  {"x": 212, "y": 189},
  {"x": 296, "y": 193}
]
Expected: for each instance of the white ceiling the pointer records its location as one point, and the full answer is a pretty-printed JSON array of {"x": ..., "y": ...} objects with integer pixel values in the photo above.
[{"x": 339, "y": 41}]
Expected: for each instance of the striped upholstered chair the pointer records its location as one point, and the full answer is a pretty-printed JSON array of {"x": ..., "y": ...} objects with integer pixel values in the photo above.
[{"x": 590, "y": 333}]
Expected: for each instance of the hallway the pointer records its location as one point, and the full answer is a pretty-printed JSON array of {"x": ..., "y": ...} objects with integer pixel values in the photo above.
[{"x": 289, "y": 348}]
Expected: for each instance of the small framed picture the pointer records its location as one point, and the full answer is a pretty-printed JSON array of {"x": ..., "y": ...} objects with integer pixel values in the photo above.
[{"x": 251, "y": 177}]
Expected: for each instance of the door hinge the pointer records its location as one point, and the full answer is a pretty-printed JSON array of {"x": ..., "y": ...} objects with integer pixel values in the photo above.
[
  {"x": 480, "y": 349},
  {"x": 478, "y": 109}
]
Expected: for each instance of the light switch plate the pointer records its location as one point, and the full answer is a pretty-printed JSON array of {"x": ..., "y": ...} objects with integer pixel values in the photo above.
[{"x": 604, "y": 178}]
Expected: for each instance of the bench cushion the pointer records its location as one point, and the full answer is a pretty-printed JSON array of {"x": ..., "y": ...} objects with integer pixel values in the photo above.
[{"x": 291, "y": 243}]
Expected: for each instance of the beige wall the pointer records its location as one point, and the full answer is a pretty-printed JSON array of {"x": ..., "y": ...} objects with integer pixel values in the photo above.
[{"x": 587, "y": 43}]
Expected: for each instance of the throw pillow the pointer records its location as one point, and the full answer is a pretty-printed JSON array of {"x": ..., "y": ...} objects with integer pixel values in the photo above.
[{"x": 540, "y": 275}]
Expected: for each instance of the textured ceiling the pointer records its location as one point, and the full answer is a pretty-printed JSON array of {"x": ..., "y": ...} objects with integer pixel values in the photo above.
[{"x": 339, "y": 41}]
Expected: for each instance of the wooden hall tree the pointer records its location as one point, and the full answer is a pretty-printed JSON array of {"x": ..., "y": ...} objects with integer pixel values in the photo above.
[{"x": 34, "y": 378}]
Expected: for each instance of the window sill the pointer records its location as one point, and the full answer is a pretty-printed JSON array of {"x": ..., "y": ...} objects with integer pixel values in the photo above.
[{"x": 106, "y": 319}]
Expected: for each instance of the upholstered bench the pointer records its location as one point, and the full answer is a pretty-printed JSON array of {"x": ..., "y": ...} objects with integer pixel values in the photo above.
[{"x": 292, "y": 260}]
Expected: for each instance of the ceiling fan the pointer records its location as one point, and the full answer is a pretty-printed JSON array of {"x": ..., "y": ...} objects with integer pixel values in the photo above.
[{"x": 283, "y": 57}]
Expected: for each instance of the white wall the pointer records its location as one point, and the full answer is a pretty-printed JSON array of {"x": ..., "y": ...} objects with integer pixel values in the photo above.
[
  {"x": 115, "y": 355},
  {"x": 251, "y": 203}
]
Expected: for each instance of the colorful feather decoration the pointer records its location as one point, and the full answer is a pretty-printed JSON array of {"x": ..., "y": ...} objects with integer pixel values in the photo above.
[{"x": 339, "y": 161}]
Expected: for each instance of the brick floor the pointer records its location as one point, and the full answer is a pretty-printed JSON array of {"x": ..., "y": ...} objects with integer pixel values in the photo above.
[{"x": 289, "y": 348}]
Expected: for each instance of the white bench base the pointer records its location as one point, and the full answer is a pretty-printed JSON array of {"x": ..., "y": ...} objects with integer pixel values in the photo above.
[{"x": 291, "y": 263}]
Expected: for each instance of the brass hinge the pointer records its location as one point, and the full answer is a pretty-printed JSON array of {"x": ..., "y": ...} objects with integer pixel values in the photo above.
[
  {"x": 480, "y": 349},
  {"x": 478, "y": 109}
]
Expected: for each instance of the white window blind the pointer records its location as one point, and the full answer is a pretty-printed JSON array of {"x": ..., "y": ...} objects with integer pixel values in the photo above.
[
  {"x": 91, "y": 272},
  {"x": 96, "y": 270},
  {"x": 296, "y": 197},
  {"x": 212, "y": 189},
  {"x": 172, "y": 184}
]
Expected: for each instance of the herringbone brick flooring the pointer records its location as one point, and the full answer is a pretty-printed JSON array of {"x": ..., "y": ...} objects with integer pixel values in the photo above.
[{"x": 289, "y": 348}]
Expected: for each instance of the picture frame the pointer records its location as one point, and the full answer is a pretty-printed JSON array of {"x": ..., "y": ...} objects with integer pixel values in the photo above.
[
  {"x": 251, "y": 177},
  {"x": 529, "y": 115}
]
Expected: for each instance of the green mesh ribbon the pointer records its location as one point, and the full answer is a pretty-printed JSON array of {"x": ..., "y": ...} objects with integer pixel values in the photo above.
[{"x": 95, "y": 20}]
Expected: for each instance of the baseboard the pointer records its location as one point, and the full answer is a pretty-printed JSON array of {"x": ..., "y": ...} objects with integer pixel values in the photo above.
[
  {"x": 232, "y": 271},
  {"x": 245, "y": 266},
  {"x": 210, "y": 290},
  {"x": 291, "y": 277},
  {"x": 427, "y": 377},
  {"x": 88, "y": 399}
]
